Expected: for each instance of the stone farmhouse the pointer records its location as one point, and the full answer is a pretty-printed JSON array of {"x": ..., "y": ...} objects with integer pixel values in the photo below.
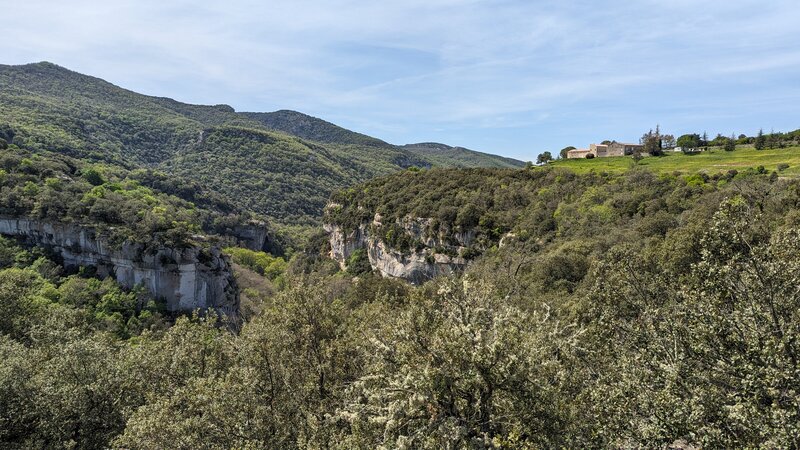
[{"x": 606, "y": 150}]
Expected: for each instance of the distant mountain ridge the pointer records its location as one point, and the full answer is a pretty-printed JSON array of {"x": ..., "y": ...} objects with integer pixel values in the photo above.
[
  {"x": 459, "y": 156},
  {"x": 312, "y": 128},
  {"x": 281, "y": 164}
]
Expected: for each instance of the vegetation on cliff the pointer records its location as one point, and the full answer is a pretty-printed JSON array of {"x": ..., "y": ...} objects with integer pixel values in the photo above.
[
  {"x": 114, "y": 201},
  {"x": 282, "y": 165},
  {"x": 635, "y": 308},
  {"x": 537, "y": 207},
  {"x": 672, "y": 337}
]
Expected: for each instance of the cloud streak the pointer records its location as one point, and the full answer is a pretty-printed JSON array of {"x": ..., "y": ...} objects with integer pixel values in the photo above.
[{"x": 514, "y": 77}]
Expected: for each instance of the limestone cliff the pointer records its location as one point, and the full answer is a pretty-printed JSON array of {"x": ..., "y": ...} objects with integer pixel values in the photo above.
[
  {"x": 252, "y": 235},
  {"x": 433, "y": 255},
  {"x": 185, "y": 279}
]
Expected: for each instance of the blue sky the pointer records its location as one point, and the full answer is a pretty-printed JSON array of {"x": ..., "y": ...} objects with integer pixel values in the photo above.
[{"x": 508, "y": 77}]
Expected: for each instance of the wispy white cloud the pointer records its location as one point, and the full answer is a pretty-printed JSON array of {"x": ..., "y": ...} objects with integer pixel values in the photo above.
[{"x": 518, "y": 76}]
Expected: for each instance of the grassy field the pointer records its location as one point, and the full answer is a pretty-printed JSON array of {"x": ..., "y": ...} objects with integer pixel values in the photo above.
[{"x": 712, "y": 161}]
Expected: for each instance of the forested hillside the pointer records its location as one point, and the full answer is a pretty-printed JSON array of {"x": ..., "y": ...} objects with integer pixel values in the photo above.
[
  {"x": 648, "y": 306},
  {"x": 446, "y": 156},
  {"x": 285, "y": 163},
  {"x": 132, "y": 206},
  {"x": 631, "y": 310}
]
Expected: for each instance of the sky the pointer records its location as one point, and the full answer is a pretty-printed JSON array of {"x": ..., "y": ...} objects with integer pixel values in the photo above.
[{"x": 509, "y": 77}]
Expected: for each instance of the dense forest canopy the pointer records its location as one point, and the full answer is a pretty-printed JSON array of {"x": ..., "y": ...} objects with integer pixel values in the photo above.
[
  {"x": 135, "y": 206},
  {"x": 282, "y": 164},
  {"x": 648, "y": 310},
  {"x": 634, "y": 308}
]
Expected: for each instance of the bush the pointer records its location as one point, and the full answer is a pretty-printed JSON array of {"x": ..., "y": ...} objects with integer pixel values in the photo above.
[
  {"x": 260, "y": 262},
  {"x": 358, "y": 263},
  {"x": 93, "y": 177}
]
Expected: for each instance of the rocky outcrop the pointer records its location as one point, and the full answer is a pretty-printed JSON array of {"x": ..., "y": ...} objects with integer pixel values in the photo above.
[
  {"x": 252, "y": 235},
  {"x": 416, "y": 266},
  {"x": 185, "y": 279},
  {"x": 343, "y": 243}
]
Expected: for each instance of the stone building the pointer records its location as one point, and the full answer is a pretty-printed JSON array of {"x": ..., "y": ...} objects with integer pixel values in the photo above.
[{"x": 606, "y": 150}]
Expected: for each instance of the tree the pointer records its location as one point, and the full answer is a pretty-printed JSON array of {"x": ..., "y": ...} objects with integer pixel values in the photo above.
[
  {"x": 689, "y": 141},
  {"x": 761, "y": 140},
  {"x": 652, "y": 142},
  {"x": 724, "y": 370},
  {"x": 730, "y": 144},
  {"x": 358, "y": 263},
  {"x": 468, "y": 375},
  {"x": 7, "y": 133},
  {"x": 704, "y": 141},
  {"x": 543, "y": 158},
  {"x": 93, "y": 177},
  {"x": 718, "y": 141},
  {"x": 774, "y": 140},
  {"x": 668, "y": 141},
  {"x": 563, "y": 153}
]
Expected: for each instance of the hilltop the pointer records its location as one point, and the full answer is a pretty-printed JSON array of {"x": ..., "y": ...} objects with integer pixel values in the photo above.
[
  {"x": 784, "y": 160},
  {"x": 446, "y": 156},
  {"x": 282, "y": 165}
]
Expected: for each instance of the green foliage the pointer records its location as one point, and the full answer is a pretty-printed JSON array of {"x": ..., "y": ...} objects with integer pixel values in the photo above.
[
  {"x": 709, "y": 351},
  {"x": 93, "y": 177},
  {"x": 466, "y": 375},
  {"x": 60, "y": 189},
  {"x": 652, "y": 142},
  {"x": 761, "y": 141},
  {"x": 689, "y": 141},
  {"x": 440, "y": 155},
  {"x": 544, "y": 157},
  {"x": 677, "y": 323},
  {"x": 282, "y": 165},
  {"x": 476, "y": 208},
  {"x": 729, "y": 144},
  {"x": 358, "y": 262},
  {"x": 262, "y": 263}
]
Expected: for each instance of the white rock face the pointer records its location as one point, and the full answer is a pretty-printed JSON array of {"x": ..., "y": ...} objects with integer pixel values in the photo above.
[
  {"x": 344, "y": 244},
  {"x": 251, "y": 235},
  {"x": 416, "y": 266},
  {"x": 186, "y": 279}
]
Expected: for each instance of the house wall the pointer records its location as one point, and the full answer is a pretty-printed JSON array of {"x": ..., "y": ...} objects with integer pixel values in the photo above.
[{"x": 577, "y": 154}]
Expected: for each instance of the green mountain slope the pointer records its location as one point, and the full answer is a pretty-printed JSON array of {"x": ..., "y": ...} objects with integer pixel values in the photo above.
[
  {"x": 447, "y": 156},
  {"x": 283, "y": 177},
  {"x": 282, "y": 164},
  {"x": 312, "y": 128},
  {"x": 427, "y": 154}
]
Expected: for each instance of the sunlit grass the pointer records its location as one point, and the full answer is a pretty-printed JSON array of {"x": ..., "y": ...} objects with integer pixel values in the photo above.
[{"x": 712, "y": 161}]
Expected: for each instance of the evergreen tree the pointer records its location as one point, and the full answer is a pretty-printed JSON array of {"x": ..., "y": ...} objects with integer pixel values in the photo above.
[
  {"x": 730, "y": 144},
  {"x": 761, "y": 140},
  {"x": 544, "y": 158}
]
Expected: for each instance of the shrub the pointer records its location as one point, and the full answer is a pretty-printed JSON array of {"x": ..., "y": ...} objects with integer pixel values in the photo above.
[{"x": 358, "y": 263}]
